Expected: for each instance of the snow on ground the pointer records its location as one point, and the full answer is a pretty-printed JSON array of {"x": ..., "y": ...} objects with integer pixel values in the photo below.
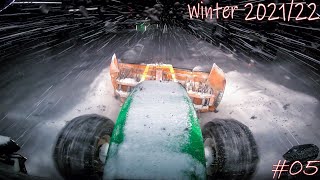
[
  {"x": 97, "y": 99},
  {"x": 4, "y": 140},
  {"x": 278, "y": 117},
  {"x": 129, "y": 81}
]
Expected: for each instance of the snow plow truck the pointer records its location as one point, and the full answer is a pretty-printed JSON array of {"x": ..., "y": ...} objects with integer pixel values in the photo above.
[{"x": 157, "y": 134}]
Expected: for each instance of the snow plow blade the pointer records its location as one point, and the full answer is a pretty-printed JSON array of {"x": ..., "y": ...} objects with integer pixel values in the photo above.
[{"x": 204, "y": 89}]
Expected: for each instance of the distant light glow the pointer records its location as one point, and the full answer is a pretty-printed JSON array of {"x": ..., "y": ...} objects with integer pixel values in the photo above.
[
  {"x": 88, "y": 9},
  {"x": 36, "y": 2}
]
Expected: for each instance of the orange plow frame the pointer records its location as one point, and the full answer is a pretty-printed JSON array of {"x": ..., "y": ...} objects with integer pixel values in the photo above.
[{"x": 204, "y": 89}]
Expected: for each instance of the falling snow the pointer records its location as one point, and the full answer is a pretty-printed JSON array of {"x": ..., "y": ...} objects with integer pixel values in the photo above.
[{"x": 54, "y": 66}]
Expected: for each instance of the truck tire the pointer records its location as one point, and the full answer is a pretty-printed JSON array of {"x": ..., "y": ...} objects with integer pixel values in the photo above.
[
  {"x": 231, "y": 148},
  {"x": 76, "y": 153}
]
